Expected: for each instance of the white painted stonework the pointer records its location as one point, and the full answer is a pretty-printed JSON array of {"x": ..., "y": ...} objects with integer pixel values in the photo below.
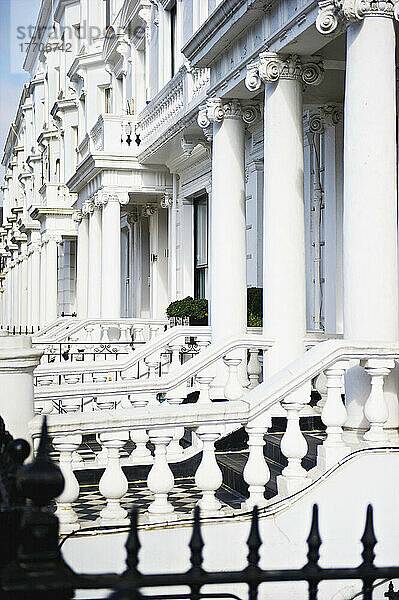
[{"x": 200, "y": 148}]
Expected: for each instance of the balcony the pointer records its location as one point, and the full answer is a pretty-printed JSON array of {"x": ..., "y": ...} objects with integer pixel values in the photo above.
[
  {"x": 167, "y": 113},
  {"x": 111, "y": 135}
]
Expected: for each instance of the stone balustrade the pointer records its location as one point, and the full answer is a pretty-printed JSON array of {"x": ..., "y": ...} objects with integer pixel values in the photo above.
[
  {"x": 111, "y": 134},
  {"x": 94, "y": 330},
  {"x": 148, "y": 378},
  {"x": 289, "y": 388},
  {"x": 181, "y": 94},
  {"x": 73, "y": 363}
]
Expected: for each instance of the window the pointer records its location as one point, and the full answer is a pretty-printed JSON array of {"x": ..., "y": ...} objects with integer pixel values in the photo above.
[
  {"x": 107, "y": 100},
  {"x": 173, "y": 40},
  {"x": 200, "y": 246},
  {"x": 107, "y": 13}
]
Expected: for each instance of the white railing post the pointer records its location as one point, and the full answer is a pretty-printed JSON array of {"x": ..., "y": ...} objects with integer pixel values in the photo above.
[
  {"x": 160, "y": 479},
  {"x": 320, "y": 385},
  {"x": 208, "y": 477},
  {"x": 105, "y": 335},
  {"x": 233, "y": 389},
  {"x": 333, "y": 416},
  {"x": 113, "y": 483},
  {"x": 89, "y": 333},
  {"x": 293, "y": 444},
  {"x": 174, "y": 450},
  {"x": 256, "y": 471},
  {"x": 177, "y": 394},
  {"x": 204, "y": 382},
  {"x": 175, "y": 360},
  {"x": 376, "y": 409},
  {"x": 123, "y": 333},
  {"x": 66, "y": 445},
  {"x": 254, "y": 368},
  {"x": 140, "y": 452},
  {"x": 153, "y": 367}
]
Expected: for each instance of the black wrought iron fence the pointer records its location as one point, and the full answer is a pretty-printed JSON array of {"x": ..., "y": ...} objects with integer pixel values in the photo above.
[{"x": 32, "y": 566}]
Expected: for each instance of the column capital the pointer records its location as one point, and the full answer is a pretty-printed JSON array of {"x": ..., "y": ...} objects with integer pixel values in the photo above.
[
  {"x": 77, "y": 216},
  {"x": 216, "y": 110},
  {"x": 319, "y": 118},
  {"x": 271, "y": 67},
  {"x": 87, "y": 207},
  {"x": 104, "y": 196},
  {"x": 333, "y": 13}
]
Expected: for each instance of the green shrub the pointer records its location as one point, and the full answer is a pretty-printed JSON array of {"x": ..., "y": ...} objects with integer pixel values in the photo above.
[
  {"x": 188, "y": 307},
  {"x": 254, "y": 307}
]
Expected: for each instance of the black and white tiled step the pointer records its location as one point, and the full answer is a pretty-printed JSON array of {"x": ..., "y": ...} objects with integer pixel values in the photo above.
[{"x": 183, "y": 497}]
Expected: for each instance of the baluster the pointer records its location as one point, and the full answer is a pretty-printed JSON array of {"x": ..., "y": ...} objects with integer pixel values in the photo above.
[
  {"x": 105, "y": 333},
  {"x": 66, "y": 445},
  {"x": 153, "y": 331},
  {"x": 124, "y": 336},
  {"x": 102, "y": 456},
  {"x": 254, "y": 368},
  {"x": 89, "y": 333},
  {"x": 294, "y": 447},
  {"x": 204, "y": 382},
  {"x": 177, "y": 394},
  {"x": 160, "y": 479},
  {"x": 113, "y": 483},
  {"x": 334, "y": 416},
  {"x": 256, "y": 471},
  {"x": 174, "y": 450},
  {"x": 138, "y": 335},
  {"x": 152, "y": 363},
  {"x": 140, "y": 452},
  {"x": 208, "y": 477},
  {"x": 233, "y": 389},
  {"x": 376, "y": 409},
  {"x": 175, "y": 360},
  {"x": 320, "y": 385}
]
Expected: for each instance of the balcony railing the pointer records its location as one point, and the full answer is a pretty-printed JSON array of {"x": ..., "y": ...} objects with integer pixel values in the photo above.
[
  {"x": 110, "y": 135},
  {"x": 181, "y": 95}
]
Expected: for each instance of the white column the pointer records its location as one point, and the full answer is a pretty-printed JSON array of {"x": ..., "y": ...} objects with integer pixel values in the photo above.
[
  {"x": 29, "y": 308},
  {"x": 370, "y": 230},
  {"x": 43, "y": 282},
  {"x": 24, "y": 290},
  {"x": 228, "y": 306},
  {"x": 284, "y": 280},
  {"x": 111, "y": 254},
  {"x": 82, "y": 270},
  {"x": 94, "y": 291},
  {"x": 51, "y": 277},
  {"x": 18, "y": 359},
  {"x": 35, "y": 287},
  {"x": 370, "y": 268}
]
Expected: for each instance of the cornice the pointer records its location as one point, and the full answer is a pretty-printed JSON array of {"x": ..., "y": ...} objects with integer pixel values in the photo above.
[
  {"x": 334, "y": 14},
  {"x": 230, "y": 19}
]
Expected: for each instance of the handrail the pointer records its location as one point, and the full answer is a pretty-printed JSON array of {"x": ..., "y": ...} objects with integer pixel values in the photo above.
[
  {"x": 73, "y": 325},
  {"x": 150, "y": 347},
  {"x": 169, "y": 382},
  {"x": 311, "y": 364},
  {"x": 257, "y": 401}
]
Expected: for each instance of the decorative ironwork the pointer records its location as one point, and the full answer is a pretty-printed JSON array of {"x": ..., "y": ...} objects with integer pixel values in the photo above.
[{"x": 36, "y": 567}]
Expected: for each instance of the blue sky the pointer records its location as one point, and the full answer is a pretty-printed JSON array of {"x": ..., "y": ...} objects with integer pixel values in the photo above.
[{"x": 13, "y": 14}]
